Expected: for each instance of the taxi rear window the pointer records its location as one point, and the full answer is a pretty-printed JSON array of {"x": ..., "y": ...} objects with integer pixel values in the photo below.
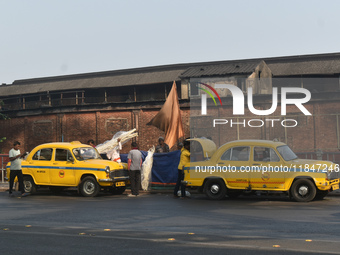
[
  {"x": 241, "y": 153},
  {"x": 43, "y": 154}
]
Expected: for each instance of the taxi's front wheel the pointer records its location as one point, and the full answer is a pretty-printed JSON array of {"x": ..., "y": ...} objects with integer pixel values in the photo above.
[
  {"x": 303, "y": 190},
  {"x": 215, "y": 189},
  {"x": 89, "y": 187}
]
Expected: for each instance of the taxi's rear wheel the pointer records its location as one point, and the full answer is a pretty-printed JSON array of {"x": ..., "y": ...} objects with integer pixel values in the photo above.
[
  {"x": 215, "y": 189},
  {"x": 29, "y": 185},
  {"x": 303, "y": 190},
  {"x": 89, "y": 187}
]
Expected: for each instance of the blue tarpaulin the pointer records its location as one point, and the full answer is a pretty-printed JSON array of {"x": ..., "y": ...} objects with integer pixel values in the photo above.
[{"x": 164, "y": 168}]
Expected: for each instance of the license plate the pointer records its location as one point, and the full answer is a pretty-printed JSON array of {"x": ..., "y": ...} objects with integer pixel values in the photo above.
[
  {"x": 335, "y": 186},
  {"x": 119, "y": 184}
]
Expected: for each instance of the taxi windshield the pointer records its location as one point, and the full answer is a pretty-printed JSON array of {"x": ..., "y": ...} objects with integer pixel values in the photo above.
[
  {"x": 85, "y": 153},
  {"x": 286, "y": 153}
]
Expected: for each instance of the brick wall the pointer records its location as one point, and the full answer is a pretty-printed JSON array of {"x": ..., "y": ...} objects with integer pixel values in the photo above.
[
  {"x": 313, "y": 132},
  {"x": 98, "y": 125}
]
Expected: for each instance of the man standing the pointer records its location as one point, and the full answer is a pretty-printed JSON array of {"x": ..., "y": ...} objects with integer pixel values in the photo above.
[
  {"x": 135, "y": 167},
  {"x": 162, "y": 147},
  {"x": 15, "y": 168},
  {"x": 185, "y": 158}
]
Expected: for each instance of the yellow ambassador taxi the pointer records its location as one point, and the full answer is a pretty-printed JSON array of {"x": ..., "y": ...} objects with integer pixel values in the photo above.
[
  {"x": 253, "y": 165},
  {"x": 61, "y": 165}
]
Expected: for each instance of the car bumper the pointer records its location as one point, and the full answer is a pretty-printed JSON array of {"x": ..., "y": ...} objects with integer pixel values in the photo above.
[
  {"x": 334, "y": 184},
  {"x": 115, "y": 179},
  {"x": 329, "y": 185}
]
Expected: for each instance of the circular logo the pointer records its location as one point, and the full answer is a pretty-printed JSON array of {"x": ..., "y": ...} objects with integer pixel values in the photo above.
[
  {"x": 61, "y": 173},
  {"x": 265, "y": 176}
]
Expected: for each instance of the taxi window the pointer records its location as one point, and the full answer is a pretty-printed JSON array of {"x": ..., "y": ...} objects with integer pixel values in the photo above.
[
  {"x": 286, "y": 153},
  {"x": 85, "y": 153},
  {"x": 236, "y": 154},
  {"x": 265, "y": 154},
  {"x": 43, "y": 154},
  {"x": 62, "y": 155},
  {"x": 226, "y": 155}
]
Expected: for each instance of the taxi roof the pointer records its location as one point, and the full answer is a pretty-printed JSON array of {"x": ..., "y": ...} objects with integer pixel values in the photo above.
[
  {"x": 74, "y": 144},
  {"x": 209, "y": 147},
  {"x": 256, "y": 142}
]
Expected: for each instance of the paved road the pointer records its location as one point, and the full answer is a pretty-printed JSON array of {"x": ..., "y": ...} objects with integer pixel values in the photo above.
[{"x": 158, "y": 223}]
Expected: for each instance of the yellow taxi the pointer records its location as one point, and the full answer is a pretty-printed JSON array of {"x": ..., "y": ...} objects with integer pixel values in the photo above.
[
  {"x": 61, "y": 165},
  {"x": 257, "y": 165}
]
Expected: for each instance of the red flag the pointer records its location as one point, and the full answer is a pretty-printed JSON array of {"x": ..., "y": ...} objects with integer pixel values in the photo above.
[{"x": 169, "y": 119}]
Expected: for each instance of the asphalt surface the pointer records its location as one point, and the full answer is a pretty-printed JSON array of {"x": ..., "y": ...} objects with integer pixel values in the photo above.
[{"x": 157, "y": 223}]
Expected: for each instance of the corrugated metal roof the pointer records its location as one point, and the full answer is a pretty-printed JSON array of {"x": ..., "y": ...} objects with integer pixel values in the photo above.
[
  {"x": 280, "y": 66},
  {"x": 221, "y": 69},
  {"x": 73, "y": 83},
  {"x": 305, "y": 67}
]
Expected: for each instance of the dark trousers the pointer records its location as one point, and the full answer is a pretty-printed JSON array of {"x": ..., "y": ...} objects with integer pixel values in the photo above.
[
  {"x": 180, "y": 178},
  {"x": 12, "y": 175},
  {"x": 135, "y": 179}
]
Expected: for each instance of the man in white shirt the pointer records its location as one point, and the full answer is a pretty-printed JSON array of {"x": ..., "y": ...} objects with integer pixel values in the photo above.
[
  {"x": 15, "y": 159},
  {"x": 135, "y": 166}
]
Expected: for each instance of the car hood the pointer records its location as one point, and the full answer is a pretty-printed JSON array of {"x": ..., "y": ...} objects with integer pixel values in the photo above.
[{"x": 105, "y": 163}]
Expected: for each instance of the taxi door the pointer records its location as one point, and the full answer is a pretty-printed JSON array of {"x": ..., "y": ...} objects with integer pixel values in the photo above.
[
  {"x": 39, "y": 165},
  {"x": 62, "y": 171},
  {"x": 233, "y": 161},
  {"x": 266, "y": 173}
]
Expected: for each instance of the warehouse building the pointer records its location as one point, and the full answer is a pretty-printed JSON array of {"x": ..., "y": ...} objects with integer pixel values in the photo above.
[{"x": 97, "y": 105}]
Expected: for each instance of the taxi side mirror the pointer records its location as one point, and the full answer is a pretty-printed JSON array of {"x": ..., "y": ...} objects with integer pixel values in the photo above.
[{"x": 71, "y": 159}]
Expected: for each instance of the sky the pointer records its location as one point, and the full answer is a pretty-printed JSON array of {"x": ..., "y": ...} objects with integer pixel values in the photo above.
[{"x": 40, "y": 38}]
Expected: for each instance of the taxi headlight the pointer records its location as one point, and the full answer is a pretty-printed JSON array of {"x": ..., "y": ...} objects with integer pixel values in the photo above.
[{"x": 107, "y": 169}]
